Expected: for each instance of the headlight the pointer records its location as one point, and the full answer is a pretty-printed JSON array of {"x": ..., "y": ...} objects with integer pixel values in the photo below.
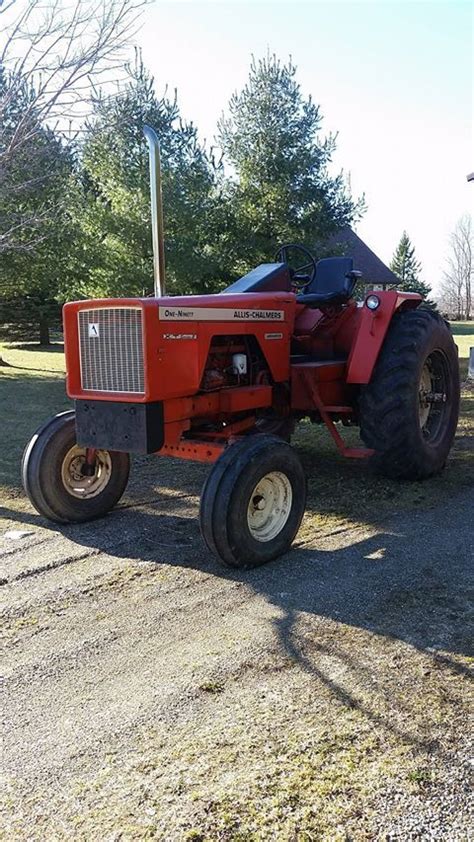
[{"x": 372, "y": 302}]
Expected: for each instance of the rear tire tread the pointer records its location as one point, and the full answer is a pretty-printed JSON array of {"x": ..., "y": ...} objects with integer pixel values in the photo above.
[{"x": 386, "y": 418}]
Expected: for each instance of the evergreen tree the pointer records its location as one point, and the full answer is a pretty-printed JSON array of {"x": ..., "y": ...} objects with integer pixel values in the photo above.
[
  {"x": 78, "y": 219},
  {"x": 36, "y": 229},
  {"x": 407, "y": 268},
  {"x": 281, "y": 189},
  {"x": 404, "y": 264},
  {"x": 114, "y": 209}
]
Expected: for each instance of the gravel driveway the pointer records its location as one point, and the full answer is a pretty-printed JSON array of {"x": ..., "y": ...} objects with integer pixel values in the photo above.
[{"x": 150, "y": 694}]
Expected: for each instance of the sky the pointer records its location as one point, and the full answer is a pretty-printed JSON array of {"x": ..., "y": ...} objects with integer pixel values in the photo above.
[{"x": 394, "y": 79}]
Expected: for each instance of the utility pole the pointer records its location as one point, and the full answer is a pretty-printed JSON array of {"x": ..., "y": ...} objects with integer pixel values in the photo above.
[{"x": 470, "y": 372}]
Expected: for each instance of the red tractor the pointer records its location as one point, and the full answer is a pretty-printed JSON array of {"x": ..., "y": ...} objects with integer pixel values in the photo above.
[{"x": 224, "y": 379}]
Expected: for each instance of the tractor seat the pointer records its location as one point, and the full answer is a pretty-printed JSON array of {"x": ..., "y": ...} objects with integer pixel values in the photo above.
[{"x": 333, "y": 283}]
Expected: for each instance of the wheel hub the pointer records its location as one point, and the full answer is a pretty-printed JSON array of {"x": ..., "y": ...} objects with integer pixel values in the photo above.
[
  {"x": 78, "y": 478},
  {"x": 428, "y": 395},
  {"x": 269, "y": 506}
]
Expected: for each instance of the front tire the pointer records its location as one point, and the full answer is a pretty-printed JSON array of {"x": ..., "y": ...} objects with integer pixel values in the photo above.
[
  {"x": 409, "y": 410},
  {"x": 253, "y": 502},
  {"x": 53, "y": 477}
]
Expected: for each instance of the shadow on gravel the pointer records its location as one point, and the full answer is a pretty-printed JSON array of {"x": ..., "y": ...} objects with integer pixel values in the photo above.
[
  {"x": 423, "y": 601},
  {"x": 410, "y": 584},
  {"x": 413, "y": 583}
]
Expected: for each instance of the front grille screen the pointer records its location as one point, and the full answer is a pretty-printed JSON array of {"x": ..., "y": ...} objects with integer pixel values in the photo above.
[{"x": 111, "y": 348}]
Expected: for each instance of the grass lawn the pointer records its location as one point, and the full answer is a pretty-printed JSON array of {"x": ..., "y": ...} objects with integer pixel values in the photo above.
[
  {"x": 463, "y": 333},
  {"x": 32, "y": 389}
]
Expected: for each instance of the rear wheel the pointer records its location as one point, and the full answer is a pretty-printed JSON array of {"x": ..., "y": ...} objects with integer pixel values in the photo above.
[
  {"x": 409, "y": 410},
  {"x": 253, "y": 502},
  {"x": 58, "y": 481}
]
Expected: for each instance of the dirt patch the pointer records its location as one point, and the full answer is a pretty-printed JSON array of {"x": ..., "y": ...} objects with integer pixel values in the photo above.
[{"x": 150, "y": 694}]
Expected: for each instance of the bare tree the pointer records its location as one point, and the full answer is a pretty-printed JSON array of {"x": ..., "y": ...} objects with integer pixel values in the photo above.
[
  {"x": 59, "y": 52},
  {"x": 458, "y": 277}
]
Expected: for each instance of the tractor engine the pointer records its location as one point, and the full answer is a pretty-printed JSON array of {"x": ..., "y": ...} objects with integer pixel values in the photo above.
[{"x": 233, "y": 361}]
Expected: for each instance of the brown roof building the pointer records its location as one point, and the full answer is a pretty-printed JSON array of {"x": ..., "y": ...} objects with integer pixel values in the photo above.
[{"x": 374, "y": 271}]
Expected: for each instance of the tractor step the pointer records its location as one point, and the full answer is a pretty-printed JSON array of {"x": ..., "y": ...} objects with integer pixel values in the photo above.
[{"x": 307, "y": 376}]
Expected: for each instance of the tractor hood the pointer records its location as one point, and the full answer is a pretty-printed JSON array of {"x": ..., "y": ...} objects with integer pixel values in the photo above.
[{"x": 148, "y": 349}]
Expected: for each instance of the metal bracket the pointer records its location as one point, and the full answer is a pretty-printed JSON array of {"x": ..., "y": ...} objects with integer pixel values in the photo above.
[{"x": 350, "y": 452}]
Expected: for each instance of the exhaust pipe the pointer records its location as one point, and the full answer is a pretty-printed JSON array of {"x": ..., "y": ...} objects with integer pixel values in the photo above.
[{"x": 156, "y": 211}]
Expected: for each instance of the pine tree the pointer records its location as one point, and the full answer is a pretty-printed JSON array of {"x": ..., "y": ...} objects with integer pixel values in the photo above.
[
  {"x": 114, "y": 212},
  {"x": 404, "y": 263},
  {"x": 282, "y": 190},
  {"x": 407, "y": 268}
]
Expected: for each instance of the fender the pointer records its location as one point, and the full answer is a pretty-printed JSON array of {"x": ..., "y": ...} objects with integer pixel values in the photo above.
[{"x": 372, "y": 330}]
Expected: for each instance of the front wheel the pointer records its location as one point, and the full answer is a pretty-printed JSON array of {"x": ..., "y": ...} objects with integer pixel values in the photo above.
[
  {"x": 57, "y": 481},
  {"x": 253, "y": 502},
  {"x": 409, "y": 410}
]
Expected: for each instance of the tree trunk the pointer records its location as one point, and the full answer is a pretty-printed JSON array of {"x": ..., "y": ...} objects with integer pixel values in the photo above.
[{"x": 44, "y": 331}]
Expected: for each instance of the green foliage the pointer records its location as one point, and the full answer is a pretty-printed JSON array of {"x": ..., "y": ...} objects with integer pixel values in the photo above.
[
  {"x": 113, "y": 213},
  {"x": 404, "y": 263},
  {"x": 78, "y": 216},
  {"x": 407, "y": 268},
  {"x": 36, "y": 228},
  {"x": 281, "y": 190}
]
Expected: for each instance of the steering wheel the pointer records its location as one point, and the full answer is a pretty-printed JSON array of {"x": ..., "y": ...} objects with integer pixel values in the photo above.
[{"x": 299, "y": 275}]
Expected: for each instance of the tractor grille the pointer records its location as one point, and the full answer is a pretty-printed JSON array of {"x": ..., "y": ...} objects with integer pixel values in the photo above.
[{"x": 111, "y": 349}]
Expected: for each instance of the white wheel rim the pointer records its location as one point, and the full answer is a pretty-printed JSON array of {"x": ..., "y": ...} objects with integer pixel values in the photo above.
[
  {"x": 425, "y": 388},
  {"x": 75, "y": 482},
  {"x": 269, "y": 506}
]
